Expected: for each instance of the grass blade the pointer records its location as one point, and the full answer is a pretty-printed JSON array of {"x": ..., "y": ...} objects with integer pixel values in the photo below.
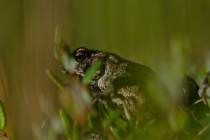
[
  {"x": 3, "y": 119},
  {"x": 67, "y": 123}
]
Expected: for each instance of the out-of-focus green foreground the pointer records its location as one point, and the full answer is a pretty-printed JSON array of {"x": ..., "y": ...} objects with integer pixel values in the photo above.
[{"x": 171, "y": 37}]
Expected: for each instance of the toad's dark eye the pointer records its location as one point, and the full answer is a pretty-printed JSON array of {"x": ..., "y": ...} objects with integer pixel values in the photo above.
[{"x": 80, "y": 54}]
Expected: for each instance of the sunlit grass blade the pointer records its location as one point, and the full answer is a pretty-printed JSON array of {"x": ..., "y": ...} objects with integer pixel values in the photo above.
[
  {"x": 76, "y": 131},
  {"x": 62, "y": 52},
  {"x": 56, "y": 54},
  {"x": 67, "y": 124},
  {"x": 201, "y": 132},
  {"x": 90, "y": 121},
  {"x": 3, "y": 119},
  {"x": 197, "y": 102},
  {"x": 57, "y": 34},
  {"x": 90, "y": 72},
  {"x": 55, "y": 79},
  {"x": 148, "y": 125},
  {"x": 116, "y": 132}
]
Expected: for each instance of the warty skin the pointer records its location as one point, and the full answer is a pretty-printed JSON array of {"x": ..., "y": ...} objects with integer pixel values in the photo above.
[{"x": 122, "y": 83}]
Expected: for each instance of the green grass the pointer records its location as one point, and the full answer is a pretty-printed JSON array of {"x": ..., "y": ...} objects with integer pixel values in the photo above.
[{"x": 162, "y": 118}]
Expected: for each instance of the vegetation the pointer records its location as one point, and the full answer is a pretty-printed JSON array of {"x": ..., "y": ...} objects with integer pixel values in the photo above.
[
  {"x": 166, "y": 121},
  {"x": 171, "y": 37}
]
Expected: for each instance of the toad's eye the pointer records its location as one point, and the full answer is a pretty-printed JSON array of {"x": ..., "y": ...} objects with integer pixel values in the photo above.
[{"x": 80, "y": 54}]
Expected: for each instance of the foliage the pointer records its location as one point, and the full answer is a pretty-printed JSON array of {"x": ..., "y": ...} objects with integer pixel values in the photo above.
[
  {"x": 2, "y": 117},
  {"x": 167, "y": 121},
  {"x": 171, "y": 37},
  {"x": 3, "y": 122}
]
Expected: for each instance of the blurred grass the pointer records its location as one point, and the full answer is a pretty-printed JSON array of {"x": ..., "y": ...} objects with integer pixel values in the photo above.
[{"x": 169, "y": 36}]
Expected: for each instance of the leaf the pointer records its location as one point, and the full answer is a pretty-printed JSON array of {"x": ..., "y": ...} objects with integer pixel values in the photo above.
[
  {"x": 90, "y": 72},
  {"x": 62, "y": 52},
  {"x": 57, "y": 54},
  {"x": 76, "y": 131},
  {"x": 57, "y": 34},
  {"x": 67, "y": 123},
  {"x": 55, "y": 79},
  {"x": 103, "y": 111},
  {"x": 197, "y": 102},
  {"x": 3, "y": 119},
  {"x": 116, "y": 132},
  {"x": 58, "y": 47},
  {"x": 90, "y": 121}
]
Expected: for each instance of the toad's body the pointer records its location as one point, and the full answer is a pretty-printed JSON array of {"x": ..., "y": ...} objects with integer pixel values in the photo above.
[{"x": 120, "y": 82}]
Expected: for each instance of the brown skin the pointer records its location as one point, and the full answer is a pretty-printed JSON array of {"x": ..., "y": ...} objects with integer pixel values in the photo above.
[
  {"x": 115, "y": 71},
  {"x": 123, "y": 83},
  {"x": 118, "y": 81}
]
